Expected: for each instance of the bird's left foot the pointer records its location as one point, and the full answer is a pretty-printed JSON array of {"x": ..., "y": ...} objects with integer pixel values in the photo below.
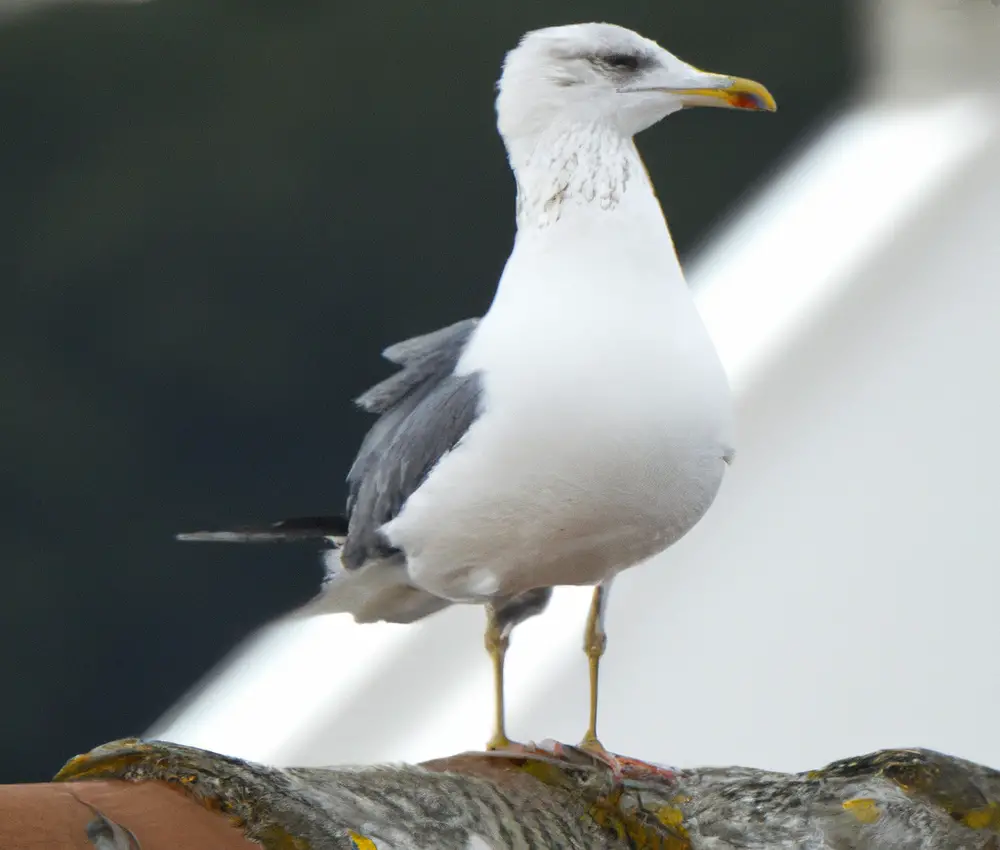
[
  {"x": 624, "y": 767},
  {"x": 594, "y": 748},
  {"x": 591, "y": 750}
]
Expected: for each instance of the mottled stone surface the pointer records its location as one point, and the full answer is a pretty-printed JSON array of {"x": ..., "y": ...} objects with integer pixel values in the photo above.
[{"x": 890, "y": 800}]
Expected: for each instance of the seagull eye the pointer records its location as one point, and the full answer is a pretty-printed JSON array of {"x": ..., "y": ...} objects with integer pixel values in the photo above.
[{"x": 625, "y": 61}]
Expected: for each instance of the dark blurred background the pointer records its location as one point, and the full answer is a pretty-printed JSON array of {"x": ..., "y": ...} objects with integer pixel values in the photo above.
[{"x": 213, "y": 216}]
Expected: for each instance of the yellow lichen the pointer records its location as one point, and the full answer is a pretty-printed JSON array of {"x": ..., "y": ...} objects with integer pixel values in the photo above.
[
  {"x": 91, "y": 767},
  {"x": 864, "y": 809},
  {"x": 276, "y": 838},
  {"x": 546, "y": 772},
  {"x": 361, "y": 842},
  {"x": 987, "y": 817},
  {"x": 670, "y": 816},
  {"x": 640, "y": 835}
]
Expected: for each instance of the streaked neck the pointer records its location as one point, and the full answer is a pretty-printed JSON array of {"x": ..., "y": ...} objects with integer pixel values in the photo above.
[
  {"x": 590, "y": 228},
  {"x": 589, "y": 167}
]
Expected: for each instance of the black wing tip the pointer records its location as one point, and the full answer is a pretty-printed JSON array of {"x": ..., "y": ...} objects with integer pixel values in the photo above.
[
  {"x": 297, "y": 529},
  {"x": 332, "y": 526}
]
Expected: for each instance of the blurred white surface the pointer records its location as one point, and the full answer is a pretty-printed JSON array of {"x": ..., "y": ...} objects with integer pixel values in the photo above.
[{"x": 842, "y": 594}]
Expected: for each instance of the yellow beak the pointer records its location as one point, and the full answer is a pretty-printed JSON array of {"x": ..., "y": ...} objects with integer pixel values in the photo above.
[{"x": 733, "y": 92}]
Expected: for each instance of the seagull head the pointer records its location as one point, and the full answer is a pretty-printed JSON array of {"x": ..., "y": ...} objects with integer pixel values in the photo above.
[{"x": 602, "y": 73}]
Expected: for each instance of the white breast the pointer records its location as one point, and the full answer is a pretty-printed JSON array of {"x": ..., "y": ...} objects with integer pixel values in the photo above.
[{"x": 606, "y": 417}]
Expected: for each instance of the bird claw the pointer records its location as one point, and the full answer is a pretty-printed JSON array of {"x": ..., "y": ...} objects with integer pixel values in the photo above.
[
  {"x": 596, "y": 751},
  {"x": 625, "y": 768},
  {"x": 622, "y": 768}
]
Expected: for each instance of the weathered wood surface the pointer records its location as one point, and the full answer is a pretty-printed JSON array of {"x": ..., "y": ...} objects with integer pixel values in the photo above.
[{"x": 890, "y": 800}]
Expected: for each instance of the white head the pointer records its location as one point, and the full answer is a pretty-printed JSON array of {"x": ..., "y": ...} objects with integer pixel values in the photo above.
[{"x": 602, "y": 73}]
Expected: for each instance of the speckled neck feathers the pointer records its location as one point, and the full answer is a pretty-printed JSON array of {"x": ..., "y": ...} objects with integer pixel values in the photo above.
[{"x": 573, "y": 166}]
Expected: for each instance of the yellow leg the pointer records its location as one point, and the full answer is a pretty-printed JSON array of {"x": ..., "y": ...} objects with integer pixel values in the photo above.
[
  {"x": 496, "y": 645},
  {"x": 595, "y": 641}
]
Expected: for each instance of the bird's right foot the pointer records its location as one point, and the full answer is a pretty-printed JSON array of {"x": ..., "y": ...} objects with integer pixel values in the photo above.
[{"x": 499, "y": 743}]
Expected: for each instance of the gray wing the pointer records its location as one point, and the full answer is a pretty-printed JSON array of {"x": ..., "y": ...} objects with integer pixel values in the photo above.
[{"x": 424, "y": 411}]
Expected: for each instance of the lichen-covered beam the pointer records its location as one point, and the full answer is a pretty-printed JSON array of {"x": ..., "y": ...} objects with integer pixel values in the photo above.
[{"x": 899, "y": 799}]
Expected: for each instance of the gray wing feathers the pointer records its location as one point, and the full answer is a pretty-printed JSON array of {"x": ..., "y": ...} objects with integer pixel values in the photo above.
[
  {"x": 425, "y": 410},
  {"x": 428, "y": 357},
  {"x": 444, "y": 342}
]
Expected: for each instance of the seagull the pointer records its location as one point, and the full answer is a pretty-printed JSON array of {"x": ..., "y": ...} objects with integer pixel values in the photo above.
[{"x": 584, "y": 423}]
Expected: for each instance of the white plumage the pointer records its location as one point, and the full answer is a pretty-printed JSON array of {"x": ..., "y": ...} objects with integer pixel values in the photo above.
[
  {"x": 605, "y": 414},
  {"x": 606, "y": 418}
]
